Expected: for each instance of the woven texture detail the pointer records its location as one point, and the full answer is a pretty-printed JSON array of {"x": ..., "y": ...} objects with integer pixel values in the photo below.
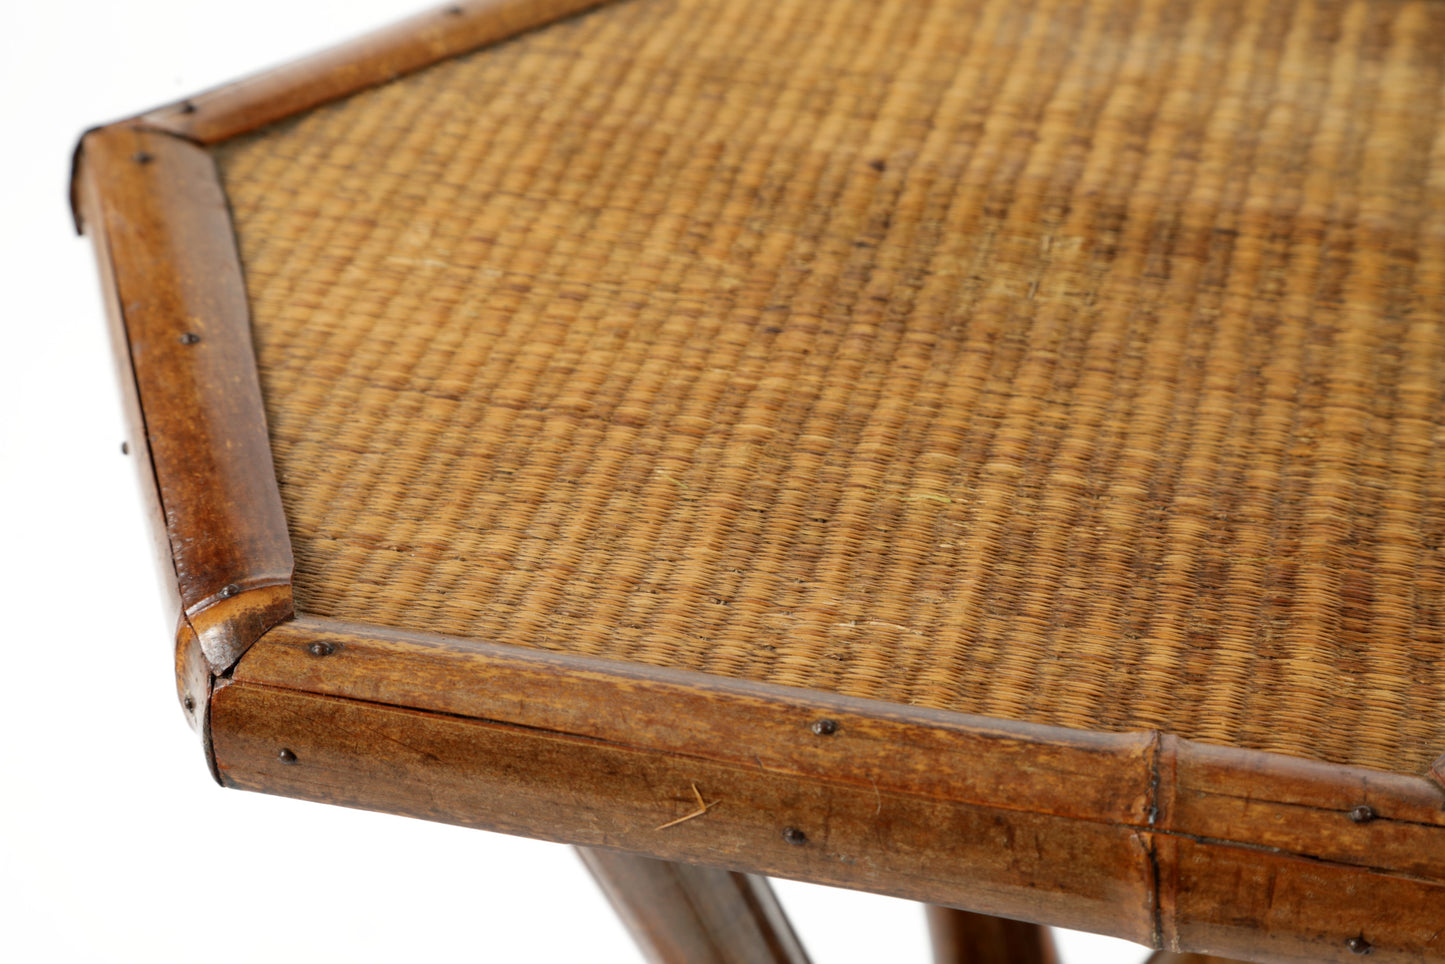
[{"x": 1078, "y": 363}]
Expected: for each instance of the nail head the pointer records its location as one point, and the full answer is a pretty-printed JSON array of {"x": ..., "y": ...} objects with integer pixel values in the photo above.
[
  {"x": 286, "y": 756},
  {"x": 229, "y": 590},
  {"x": 1363, "y": 814},
  {"x": 321, "y": 649},
  {"x": 141, "y": 157},
  {"x": 189, "y": 704},
  {"x": 825, "y": 727},
  {"x": 190, "y": 338},
  {"x": 1359, "y": 945},
  {"x": 124, "y": 448},
  {"x": 794, "y": 836}
]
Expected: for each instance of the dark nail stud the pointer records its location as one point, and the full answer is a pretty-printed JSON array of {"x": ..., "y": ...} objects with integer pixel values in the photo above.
[
  {"x": 229, "y": 590},
  {"x": 189, "y": 704},
  {"x": 141, "y": 157},
  {"x": 190, "y": 338},
  {"x": 1359, "y": 945},
  {"x": 321, "y": 649},
  {"x": 794, "y": 836},
  {"x": 286, "y": 756},
  {"x": 825, "y": 727},
  {"x": 1363, "y": 814}
]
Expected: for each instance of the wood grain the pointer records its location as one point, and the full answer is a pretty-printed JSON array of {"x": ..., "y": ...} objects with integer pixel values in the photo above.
[
  {"x": 345, "y": 69},
  {"x": 158, "y": 215},
  {"x": 1171, "y": 374},
  {"x": 87, "y": 206},
  {"x": 680, "y": 914},
  {"x": 867, "y": 744},
  {"x": 595, "y": 793},
  {"x": 1258, "y": 905},
  {"x": 960, "y": 937},
  {"x": 193, "y": 677},
  {"x": 1141, "y": 836},
  {"x": 1346, "y": 815}
]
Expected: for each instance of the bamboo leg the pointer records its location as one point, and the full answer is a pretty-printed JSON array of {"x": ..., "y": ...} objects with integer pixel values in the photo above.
[
  {"x": 680, "y": 914},
  {"x": 960, "y": 937}
]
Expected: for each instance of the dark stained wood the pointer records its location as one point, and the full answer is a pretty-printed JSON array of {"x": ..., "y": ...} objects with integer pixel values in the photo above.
[
  {"x": 87, "y": 206},
  {"x": 1142, "y": 836},
  {"x": 1256, "y": 799},
  {"x": 194, "y": 684},
  {"x": 681, "y": 914},
  {"x": 1169, "y": 957},
  {"x": 231, "y": 624},
  {"x": 373, "y": 59},
  {"x": 1114, "y": 833},
  {"x": 960, "y": 937},
  {"x": 1347, "y": 815},
  {"x": 1256, "y": 905},
  {"x": 155, "y": 209},
  {"x": 595, "y": 793},
  {"x": 871, "y": 745},
  {"x": 193, "y": 676}
]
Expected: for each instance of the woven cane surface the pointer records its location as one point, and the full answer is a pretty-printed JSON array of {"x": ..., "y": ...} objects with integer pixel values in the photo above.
[{"x": 1070, "y": 362}]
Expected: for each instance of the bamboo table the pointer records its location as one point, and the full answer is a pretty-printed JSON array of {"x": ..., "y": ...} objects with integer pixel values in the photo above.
[{"x": 983, "y": 452}]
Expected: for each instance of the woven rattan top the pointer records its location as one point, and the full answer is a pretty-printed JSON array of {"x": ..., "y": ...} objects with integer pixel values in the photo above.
[{"x": 1077, "y": 363}]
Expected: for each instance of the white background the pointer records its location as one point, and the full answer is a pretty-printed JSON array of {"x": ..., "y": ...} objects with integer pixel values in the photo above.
[{"x": 114, "y": 843}]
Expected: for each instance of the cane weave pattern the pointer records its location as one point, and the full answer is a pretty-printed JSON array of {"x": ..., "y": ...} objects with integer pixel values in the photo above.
[{"x": 1070, "y": 362}]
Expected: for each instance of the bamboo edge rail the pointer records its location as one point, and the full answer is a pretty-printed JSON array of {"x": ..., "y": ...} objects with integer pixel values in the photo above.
[
  {"x": 377, "y": 57},
  {"x": 147, "y": 191},
  {"x": 178, "y": 305},
  {"x": 1143, "y": 836},
  {"x": 1146, "y": 836}
]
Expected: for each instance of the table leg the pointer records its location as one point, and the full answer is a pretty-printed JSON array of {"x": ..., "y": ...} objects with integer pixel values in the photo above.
[
  {"x": 680, "y": 914},
  {"x": 960, "y": 937}
]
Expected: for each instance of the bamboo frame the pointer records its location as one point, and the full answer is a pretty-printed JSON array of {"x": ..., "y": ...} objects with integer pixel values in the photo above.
[
  {"x": 683, "y": 914},
  {"x": 962, "y": 938},
  {"x": 1143, "y": 836},
  {"x": 177, "y": 301}
]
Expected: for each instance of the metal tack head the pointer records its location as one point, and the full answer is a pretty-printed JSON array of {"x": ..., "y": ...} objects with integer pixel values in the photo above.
[
  {"x": 190, "y": 338},
  {"x": 141, "y": 157},
  {"x": 286, "y": 756},
  {"x": 1359, "y": 945},
  {"x": 320, "y": 648},
  {"x": 825, "y": 727},
  {"x": 229, "y": 590},
  {"x": 794, "y": 836},
  {"x": 1363, "y": 814}
]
